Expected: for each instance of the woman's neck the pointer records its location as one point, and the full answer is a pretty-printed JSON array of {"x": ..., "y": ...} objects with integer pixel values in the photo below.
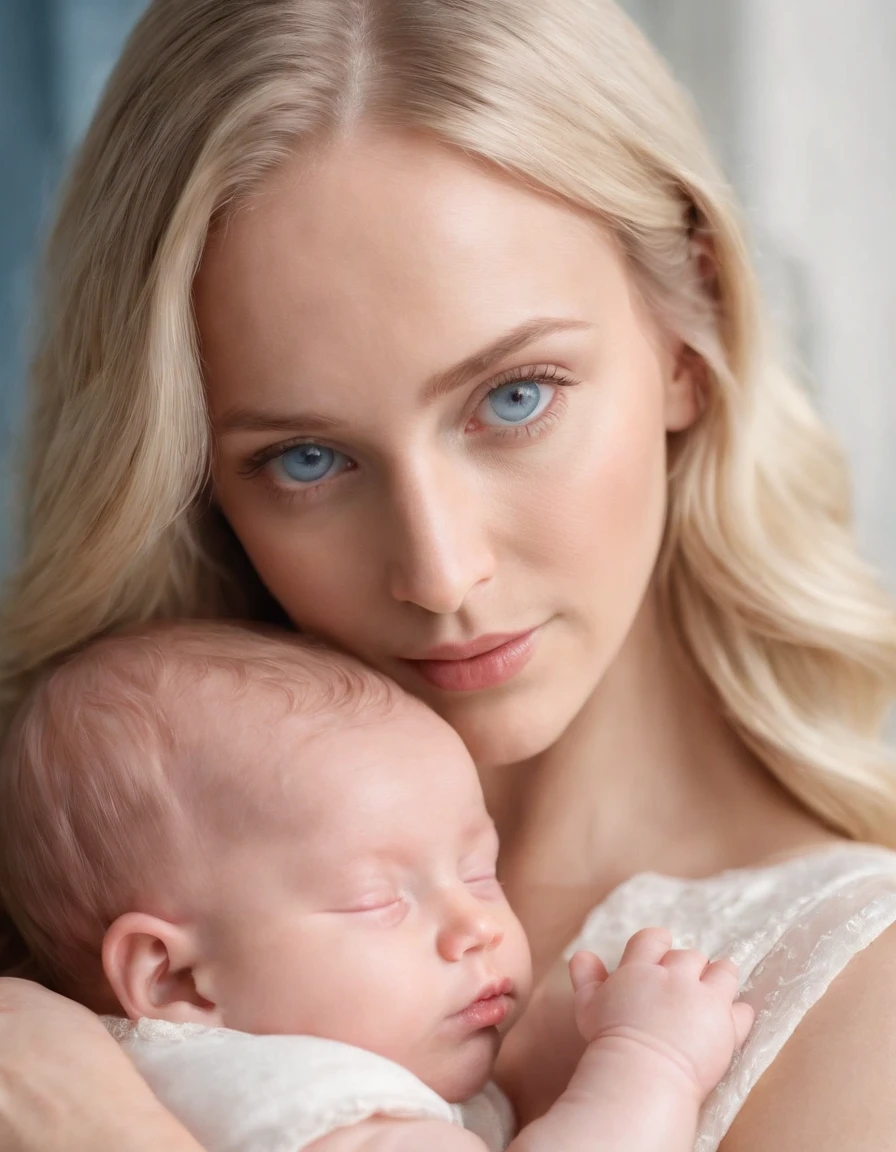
[{"x": 649, "y": 777}]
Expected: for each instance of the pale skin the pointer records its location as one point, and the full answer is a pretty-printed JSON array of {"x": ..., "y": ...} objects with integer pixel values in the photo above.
[
  {"x": 340, "y": 291},
  {"x": 657, "y": 1033},
  {"x": 360, "y": 903},
  {"x": 356, "y": 899}
]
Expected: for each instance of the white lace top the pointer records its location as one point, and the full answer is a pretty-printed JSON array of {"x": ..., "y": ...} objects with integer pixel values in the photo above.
[
  {"x": 790, "y": 928},
  {"x": 237, "y": 1092}
]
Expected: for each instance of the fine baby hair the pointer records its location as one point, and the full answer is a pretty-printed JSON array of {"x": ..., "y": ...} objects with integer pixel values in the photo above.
[{"x": 121, "y": 751}]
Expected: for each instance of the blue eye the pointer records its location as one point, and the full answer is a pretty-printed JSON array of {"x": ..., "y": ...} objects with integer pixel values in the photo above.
[
  {"x": 516, "y": 403},
  {"x": 309, "y": 463}
]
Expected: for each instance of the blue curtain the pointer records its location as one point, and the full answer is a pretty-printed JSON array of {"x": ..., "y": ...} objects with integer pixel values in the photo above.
[{"x": 54, "y": 58}]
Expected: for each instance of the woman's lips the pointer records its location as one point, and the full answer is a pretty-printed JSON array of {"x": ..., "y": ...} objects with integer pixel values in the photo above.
[{"x": 494, "y": 660}]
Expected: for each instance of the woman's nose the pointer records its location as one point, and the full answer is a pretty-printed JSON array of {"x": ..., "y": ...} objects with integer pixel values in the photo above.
[
  {"x": 440, "y": 548},
  {"x": 468, "y": 926}
]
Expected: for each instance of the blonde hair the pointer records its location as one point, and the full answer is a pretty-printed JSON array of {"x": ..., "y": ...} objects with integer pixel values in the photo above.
[
  {"x": 117, "y": 764},
  {"x": 758, "y": 565}
]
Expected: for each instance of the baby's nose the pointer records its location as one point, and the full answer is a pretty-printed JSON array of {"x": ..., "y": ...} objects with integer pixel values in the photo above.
[{"x": 468, "y": 927}]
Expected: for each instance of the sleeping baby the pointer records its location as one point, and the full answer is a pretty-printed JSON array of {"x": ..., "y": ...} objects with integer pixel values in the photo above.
[{"x": 273, "y": 872}]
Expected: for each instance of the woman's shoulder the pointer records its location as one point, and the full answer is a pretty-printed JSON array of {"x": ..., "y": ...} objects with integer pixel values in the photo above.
[
  {"x": 803, "y": 932},
  {"x": 744, "y": 913},
  {"x": 842, "y": 1058}
]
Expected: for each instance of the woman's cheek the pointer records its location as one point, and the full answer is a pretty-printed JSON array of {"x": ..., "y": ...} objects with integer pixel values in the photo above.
[
  {"x": 597, "y": 498},
  {"x": 315, "y": 582}
]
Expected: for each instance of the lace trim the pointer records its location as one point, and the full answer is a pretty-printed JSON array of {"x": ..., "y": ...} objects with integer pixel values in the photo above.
[
  {"x": 791, "y": 927},
  {"x": 794, "y": 975}
]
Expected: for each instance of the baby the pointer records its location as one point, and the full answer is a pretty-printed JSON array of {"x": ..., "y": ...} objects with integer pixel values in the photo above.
[{"x": 276, "y": 873}]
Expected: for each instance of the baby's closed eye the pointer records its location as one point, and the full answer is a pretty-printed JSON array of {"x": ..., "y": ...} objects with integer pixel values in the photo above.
[
  {"x": 484, "y": 883},
  {"x": 386, "y": 906}
]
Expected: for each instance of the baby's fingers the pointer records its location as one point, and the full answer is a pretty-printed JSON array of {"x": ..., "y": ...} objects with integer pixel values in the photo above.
[
  {"x": 722, "y": 974},
  {"x": 585, "y": 968},
  {"x": 686, "y": 962},
  {"x": 743, "y": 1021},
  {"x": 648, "y": 946},
  {"x": 588, "y": 974}
]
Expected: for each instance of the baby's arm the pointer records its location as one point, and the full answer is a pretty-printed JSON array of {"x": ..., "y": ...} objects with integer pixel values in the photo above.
[{"x": 661, "y": 1031}]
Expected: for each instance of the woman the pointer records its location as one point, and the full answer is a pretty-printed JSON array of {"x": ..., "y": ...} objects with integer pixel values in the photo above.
[{"x": 428, "y": 327}]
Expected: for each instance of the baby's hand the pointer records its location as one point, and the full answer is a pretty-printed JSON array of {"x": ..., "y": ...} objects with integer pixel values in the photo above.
[{"x": 662, "y": 1004}]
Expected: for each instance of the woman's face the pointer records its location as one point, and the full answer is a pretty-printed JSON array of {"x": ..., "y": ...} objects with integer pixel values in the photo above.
[{"x": 440, "y": 413}]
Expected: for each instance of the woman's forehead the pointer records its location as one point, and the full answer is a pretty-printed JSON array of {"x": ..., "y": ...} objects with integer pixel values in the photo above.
[
  {"x": 416, "y": 189},
  {"x": 407, "y": 251}
]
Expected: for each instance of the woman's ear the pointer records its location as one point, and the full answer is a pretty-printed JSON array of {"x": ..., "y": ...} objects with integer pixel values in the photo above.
[
  {"x": 688, "y": 377},
  {"x": 685, "y": 389},
  {"x": 150, "y": 965}
]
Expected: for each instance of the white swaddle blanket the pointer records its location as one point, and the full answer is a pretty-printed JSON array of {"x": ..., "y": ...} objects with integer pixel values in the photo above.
[{"x": 237, "y": 1092}]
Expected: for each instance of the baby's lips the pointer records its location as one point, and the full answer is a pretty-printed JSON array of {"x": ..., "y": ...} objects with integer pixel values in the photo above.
[{"x": 493, "y": 990}]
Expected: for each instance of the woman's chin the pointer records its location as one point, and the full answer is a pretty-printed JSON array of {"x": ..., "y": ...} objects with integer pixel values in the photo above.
[{"x": 503, "y": 732}]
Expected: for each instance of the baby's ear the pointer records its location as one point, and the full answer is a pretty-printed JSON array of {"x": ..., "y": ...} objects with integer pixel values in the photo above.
[{"x": 149, "y": 964}]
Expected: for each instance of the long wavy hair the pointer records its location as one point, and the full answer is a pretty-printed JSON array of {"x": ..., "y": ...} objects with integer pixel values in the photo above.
[{"x": 758, "y": 567}]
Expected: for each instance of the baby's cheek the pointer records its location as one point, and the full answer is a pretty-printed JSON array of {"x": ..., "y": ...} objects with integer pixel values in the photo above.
[
  {"x": 521, "y": 960},
  {"x": 277, "y": 983},
  {"x": 274, "y": 999}
]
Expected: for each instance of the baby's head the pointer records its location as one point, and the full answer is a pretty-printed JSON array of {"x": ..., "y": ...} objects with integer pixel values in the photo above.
[{"x": 201, "y": 822}]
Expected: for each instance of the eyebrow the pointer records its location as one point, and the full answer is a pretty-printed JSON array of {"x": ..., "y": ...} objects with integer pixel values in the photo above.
[
  {"x": 259, "y": 420},
  {"x": 513, "y": 341}
]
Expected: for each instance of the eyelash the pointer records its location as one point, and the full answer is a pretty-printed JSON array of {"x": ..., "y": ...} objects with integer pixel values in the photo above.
[
  {"x": 393, "y": 912},
  {"x": 536, "y": 374},
  {"x": 381, "y": 905},
  {"x": 482, "y": 883}
]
